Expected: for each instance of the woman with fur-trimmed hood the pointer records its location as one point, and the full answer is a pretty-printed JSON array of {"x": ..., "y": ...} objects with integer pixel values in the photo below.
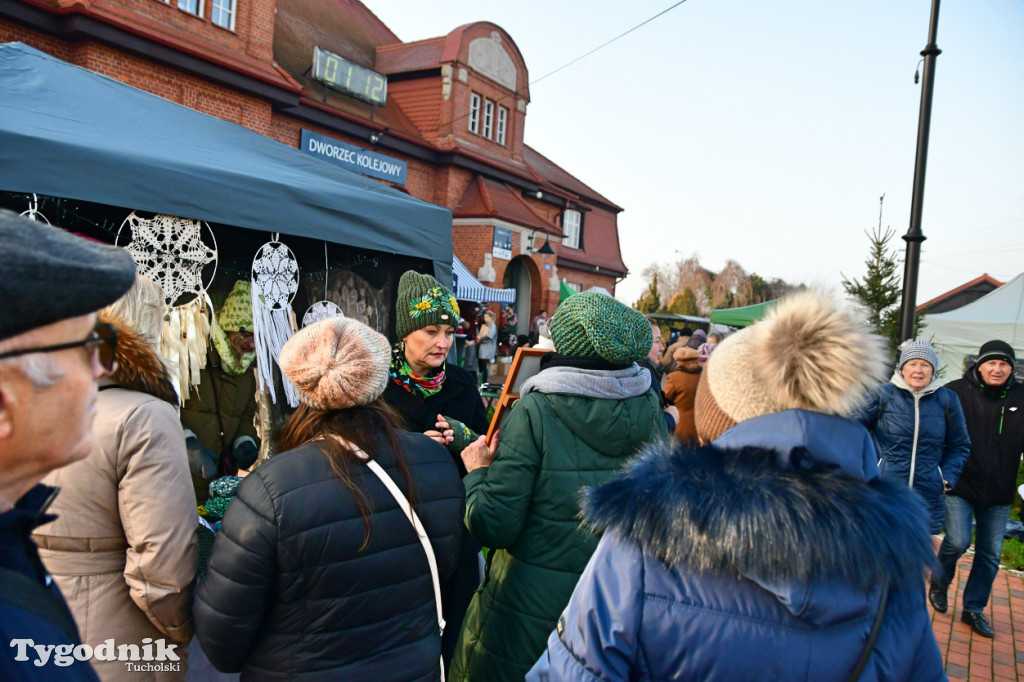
[
  {"x": 123, "y": 548},
  {"x": 776, "y": 552}
]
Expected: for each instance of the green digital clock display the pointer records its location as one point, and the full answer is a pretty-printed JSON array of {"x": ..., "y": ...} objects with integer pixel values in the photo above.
[{"x": 349, "y": 77}]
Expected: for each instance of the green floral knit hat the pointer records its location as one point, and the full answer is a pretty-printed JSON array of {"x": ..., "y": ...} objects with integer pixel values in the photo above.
[
  {"x": 236, "y": 315},
  {"x": 590, "y": 324},
  {"x": 423, "y": 301}
]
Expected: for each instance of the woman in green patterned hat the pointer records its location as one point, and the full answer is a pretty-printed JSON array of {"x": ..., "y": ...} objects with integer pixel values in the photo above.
[
  {"x": 440, "y": 400},
  {"x": 579, "y": 419}
]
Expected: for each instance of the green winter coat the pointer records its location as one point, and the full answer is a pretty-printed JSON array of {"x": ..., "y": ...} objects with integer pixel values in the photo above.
[{"x": 572, "y": 429}]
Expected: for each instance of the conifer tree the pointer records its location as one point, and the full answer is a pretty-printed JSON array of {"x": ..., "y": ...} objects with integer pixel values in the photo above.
[
  {"x": 650, "y": 302},
  {"x": 881, "y": 290},
  {"x": 683, "y": 303}
]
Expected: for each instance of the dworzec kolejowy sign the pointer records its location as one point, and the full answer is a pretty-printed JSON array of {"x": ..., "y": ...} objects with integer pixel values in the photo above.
[{"x": 354, "y": 158}]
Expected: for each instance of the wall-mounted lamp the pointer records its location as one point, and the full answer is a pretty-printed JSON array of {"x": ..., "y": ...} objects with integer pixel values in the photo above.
[
  {"x": 545, "y": 248},
  {"x": 539, "y": 194},
  {"x": 377, "y": 135}
]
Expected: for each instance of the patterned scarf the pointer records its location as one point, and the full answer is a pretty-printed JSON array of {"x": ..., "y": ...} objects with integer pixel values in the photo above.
[{"x": 403, "y": 375}]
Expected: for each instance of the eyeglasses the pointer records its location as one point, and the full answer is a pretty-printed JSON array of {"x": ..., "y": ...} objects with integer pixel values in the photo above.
[{"x": 102, "y": 341}]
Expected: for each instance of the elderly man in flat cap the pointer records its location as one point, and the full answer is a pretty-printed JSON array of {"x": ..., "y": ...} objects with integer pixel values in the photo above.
[{"x": 52, "y": 352}]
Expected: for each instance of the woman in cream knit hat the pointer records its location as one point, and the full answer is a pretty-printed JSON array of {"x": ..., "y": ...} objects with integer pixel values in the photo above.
[
  {"x": 776, "y": 552},
  {"x": 316, "y": 571}
]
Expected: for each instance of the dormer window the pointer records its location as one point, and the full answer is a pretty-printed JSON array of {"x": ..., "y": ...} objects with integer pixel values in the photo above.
[
  {"x": 474, "y": 113},
  {"x": 571, "y": 228}
]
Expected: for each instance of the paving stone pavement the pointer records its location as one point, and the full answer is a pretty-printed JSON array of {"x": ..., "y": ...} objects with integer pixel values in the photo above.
[{"x": 973, "y": 658}]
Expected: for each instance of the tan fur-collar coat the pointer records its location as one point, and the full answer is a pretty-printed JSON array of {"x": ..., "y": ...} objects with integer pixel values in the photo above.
[{"x": 123, "y": 548}]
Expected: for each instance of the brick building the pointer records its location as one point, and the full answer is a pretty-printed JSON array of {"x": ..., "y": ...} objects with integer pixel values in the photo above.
[{"x": 446, "y": 127}]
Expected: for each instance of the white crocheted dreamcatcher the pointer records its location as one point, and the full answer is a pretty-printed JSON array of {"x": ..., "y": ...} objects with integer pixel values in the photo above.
[
  {"x": 171, "y": 252},
  {"x": 275, "y": 279},
  {"x": 322, "y": 310},
  {"x": 33, "y": 213}
]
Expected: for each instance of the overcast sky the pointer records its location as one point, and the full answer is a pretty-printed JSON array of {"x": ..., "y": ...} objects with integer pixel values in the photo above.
[{"x": 765, "y": 132}]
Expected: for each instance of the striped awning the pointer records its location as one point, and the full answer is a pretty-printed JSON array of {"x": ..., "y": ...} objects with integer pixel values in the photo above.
[{"x": 468, "y": 288}]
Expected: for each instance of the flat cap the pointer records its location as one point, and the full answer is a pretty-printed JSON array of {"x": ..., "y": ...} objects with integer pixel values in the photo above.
[{"x": 48, "y": 275}]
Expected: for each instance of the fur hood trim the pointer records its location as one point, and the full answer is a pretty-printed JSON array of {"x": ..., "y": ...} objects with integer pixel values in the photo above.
[
  {"x": 738, "y": 513},
  {"x": 139, "y": 368}
]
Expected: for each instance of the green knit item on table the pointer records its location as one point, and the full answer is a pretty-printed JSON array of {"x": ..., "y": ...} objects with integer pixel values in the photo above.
[
  {"x": 590, "y": 324},
  {"x": 423, "y": 301}
]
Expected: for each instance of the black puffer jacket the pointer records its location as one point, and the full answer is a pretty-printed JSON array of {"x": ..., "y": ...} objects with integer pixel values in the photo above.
[
  {"x": 459, "y": 398},
  {"x": 995, "y": 422},
  {"x": 289, "y": 595}
]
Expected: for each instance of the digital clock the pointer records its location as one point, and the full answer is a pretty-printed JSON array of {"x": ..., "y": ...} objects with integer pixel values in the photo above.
[{"x": 349, "y": 77}]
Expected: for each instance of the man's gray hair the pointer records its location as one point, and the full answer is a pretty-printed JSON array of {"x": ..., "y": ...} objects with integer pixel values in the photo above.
[{"x": 38, "y": 368}]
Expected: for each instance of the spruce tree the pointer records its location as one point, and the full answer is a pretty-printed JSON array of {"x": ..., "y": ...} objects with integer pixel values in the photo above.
[
  {"x": 650, "y": 302},
  {"x": 881, "y": 290}
]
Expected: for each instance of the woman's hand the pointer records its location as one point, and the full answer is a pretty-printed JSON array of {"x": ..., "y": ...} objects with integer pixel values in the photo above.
[
  {"x": 480, "y": 454},
  {"x": 444, "y": 434}
]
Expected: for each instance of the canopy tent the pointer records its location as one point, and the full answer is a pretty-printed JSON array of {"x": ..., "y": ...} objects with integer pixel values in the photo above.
[
  {"x": 741, "y": 317},
  {"x": 961, "y": 332},
  {"x": 468, "y": 288},
  {"x": 564, "y": 291},
  {"x": 69, "y": 132},
  {"x": 675, "y": 317}
]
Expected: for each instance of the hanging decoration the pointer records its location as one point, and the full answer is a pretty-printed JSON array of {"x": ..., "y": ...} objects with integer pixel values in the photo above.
[
  {"x": 275, "y": 279},
  {"x": 172, "y": 252},
  {"x": 33, "y": 213},
  {"x": 184, "y": 342},
  {"x": 322, "y": 310}
]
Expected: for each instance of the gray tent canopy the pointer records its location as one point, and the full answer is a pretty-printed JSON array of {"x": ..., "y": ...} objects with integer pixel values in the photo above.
[{"x": 69, "y": 132}]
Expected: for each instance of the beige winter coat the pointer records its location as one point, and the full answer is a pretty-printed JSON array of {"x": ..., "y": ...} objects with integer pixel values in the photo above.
[{"x": 123, "y": 548}]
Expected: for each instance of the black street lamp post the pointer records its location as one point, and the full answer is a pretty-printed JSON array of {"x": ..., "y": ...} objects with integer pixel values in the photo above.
[{"x": 914, "y": 236}]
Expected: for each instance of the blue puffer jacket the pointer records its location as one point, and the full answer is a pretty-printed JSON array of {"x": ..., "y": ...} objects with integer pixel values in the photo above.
[
  {"x": 761, "y": 557},
  {"x": 921, "y": 438}
]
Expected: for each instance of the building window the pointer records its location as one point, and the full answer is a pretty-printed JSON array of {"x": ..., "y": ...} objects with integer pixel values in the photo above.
[
  {"x": 224, "y": 14},
  {"x": 474, "y": 113},
  {"x": 488, "y": 118},
  {"x": 575, "y": 287},
  {"x": 191, "y": 6},
  {"x": 571, "y": 228},
  {"x": 502, "y": 124}
]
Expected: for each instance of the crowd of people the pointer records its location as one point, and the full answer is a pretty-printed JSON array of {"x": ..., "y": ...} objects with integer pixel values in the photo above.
[{"x": 756, "y": 506}]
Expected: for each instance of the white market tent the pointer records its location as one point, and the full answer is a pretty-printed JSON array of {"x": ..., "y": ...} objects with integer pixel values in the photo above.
[
  {"x": 469, "y": 288},
  {"x": 959, "y": 333}
]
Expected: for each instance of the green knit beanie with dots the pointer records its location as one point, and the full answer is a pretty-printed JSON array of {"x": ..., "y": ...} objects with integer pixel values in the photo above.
[
  {"x": 236, "y": 314},
  {"x": 590, "y": 324},
  {"x": 423, "y": 301}
]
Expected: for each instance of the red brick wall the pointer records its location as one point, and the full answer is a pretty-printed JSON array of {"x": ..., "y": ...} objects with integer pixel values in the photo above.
[
  {"x": 15, "y": 33},
  {"x": 471, "y": 243}
]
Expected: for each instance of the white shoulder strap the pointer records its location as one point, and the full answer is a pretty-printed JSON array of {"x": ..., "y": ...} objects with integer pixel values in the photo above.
[{"x": 421, "y": 533}]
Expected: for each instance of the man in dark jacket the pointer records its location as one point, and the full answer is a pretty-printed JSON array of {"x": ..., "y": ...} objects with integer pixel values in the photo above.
[
  {"x": 52, "y": 352},
  {"x": 993, "y": 405}
]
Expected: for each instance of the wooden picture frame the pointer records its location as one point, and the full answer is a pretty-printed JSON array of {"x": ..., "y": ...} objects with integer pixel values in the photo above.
[{"x": 525, "y": 364}]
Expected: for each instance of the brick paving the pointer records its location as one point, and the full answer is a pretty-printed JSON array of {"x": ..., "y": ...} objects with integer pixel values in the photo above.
[{"x": 973, "y": 658}]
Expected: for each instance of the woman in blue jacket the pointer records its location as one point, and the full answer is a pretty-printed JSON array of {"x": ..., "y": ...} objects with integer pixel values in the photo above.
[
  {"x": 775, "y": 553},
  {"x": 919, "y": 429}
]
